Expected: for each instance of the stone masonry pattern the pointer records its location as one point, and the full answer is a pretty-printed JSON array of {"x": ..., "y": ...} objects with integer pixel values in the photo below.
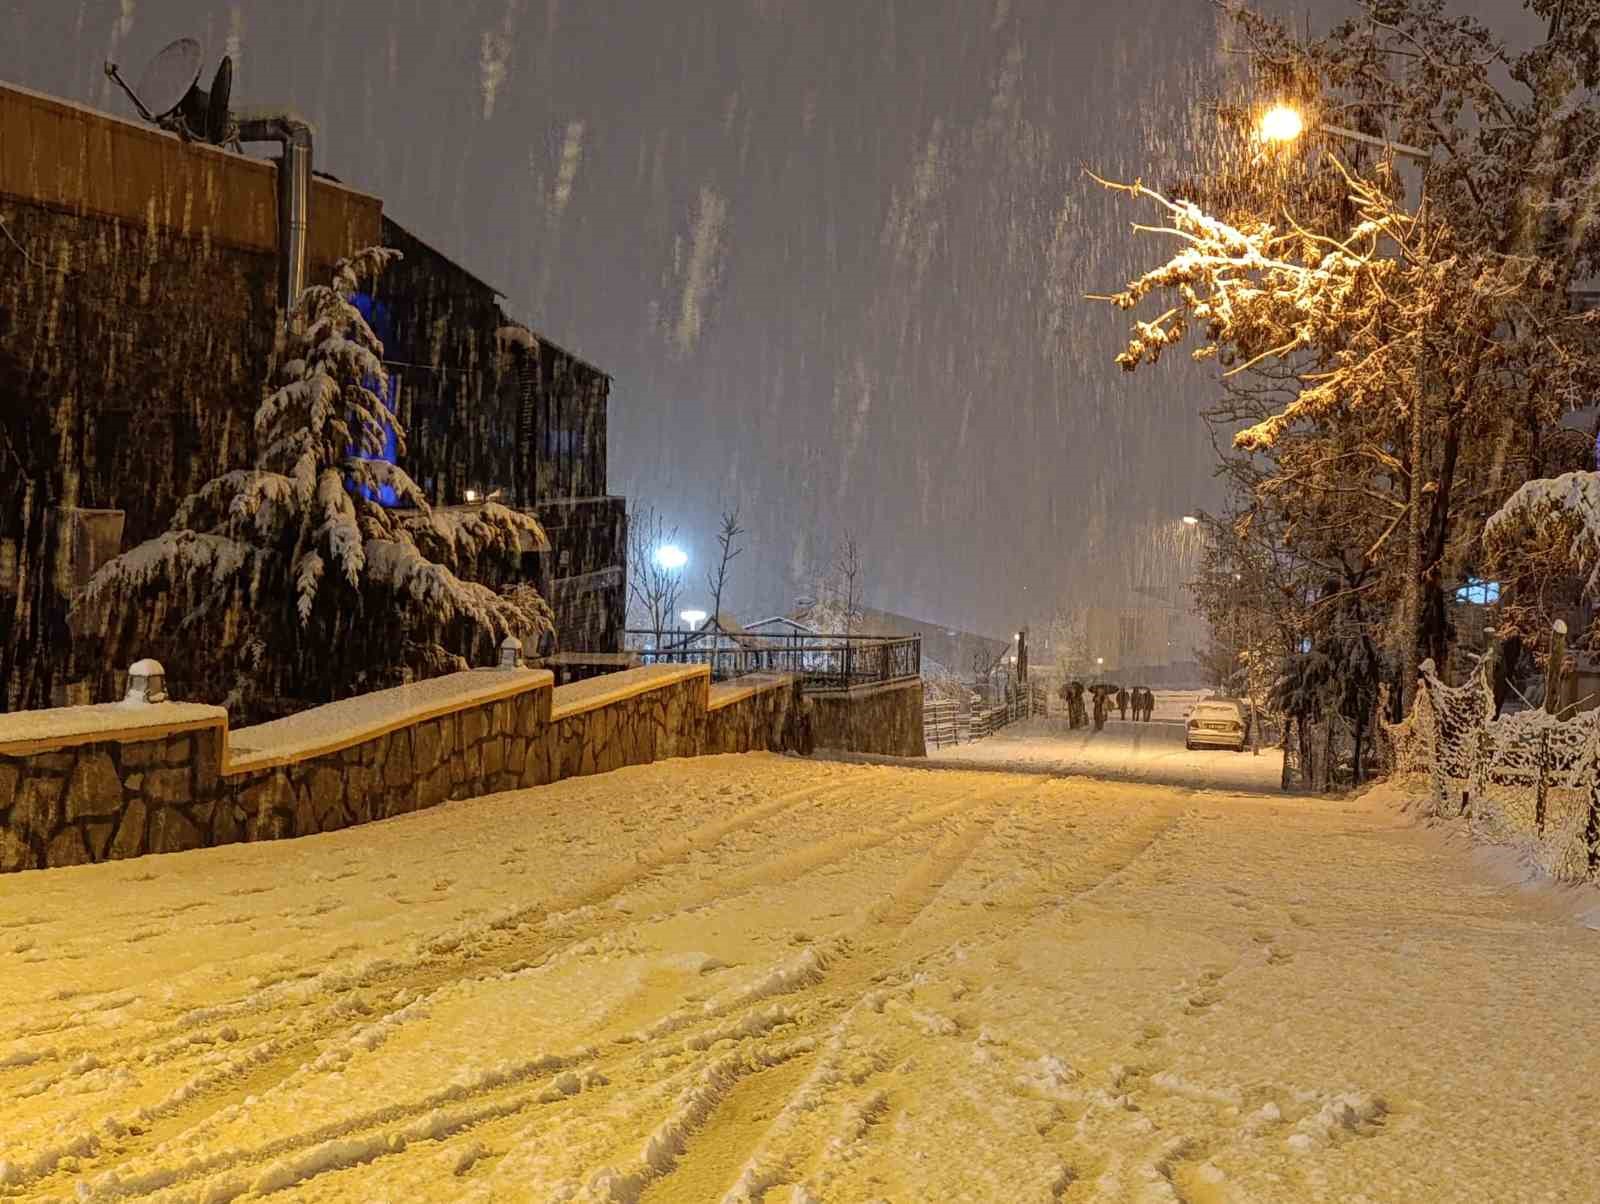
[{"x": 110, "y": 800}]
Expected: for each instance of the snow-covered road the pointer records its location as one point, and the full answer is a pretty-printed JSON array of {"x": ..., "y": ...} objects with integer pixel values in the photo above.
[
  {"x": 763, "y": 978},
  {"x": 1135, "y": 752}
]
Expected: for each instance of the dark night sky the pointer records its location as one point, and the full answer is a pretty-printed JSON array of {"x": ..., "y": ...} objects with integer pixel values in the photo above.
[{"x": 831, "y": 250}]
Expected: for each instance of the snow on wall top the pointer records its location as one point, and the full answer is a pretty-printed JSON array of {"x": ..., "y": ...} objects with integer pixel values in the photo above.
[
  {"x": 730, "y": 692},
  {"x": 601, "y": 691},
  {"x": 341, "y": 725},
  {"x": 25, "y": 732}
]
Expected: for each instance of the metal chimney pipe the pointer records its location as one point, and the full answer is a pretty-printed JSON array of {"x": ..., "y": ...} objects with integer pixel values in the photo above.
[{"x": 297, "y": 137}]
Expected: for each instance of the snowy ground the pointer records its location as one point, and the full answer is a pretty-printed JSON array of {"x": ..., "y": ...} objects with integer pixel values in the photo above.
[
  {"x": 757, "y": 977},
  {"x": 1136, "y": 752}
]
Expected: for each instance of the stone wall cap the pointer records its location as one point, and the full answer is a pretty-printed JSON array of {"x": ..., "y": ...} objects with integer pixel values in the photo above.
[
  {"x": 868, "y": 689},
  {"x": 727, "y": 693},
  {"x": 352, "y": 721},
  {"x": 26, "y": 732},
  {"x": 608, "y": 688}
]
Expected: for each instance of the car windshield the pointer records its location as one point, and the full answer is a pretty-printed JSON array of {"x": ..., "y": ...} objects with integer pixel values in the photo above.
[{"x": 1216, "y": 710}]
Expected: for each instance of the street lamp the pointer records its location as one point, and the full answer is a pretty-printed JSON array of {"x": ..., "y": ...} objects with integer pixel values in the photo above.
[
  {"x": 1284, "y": 123},
  {"x": 1281, "y": 123},
  {"x": 671, "y": 557},
  {"x": 694, "y": 618},
  {"x": 1190, "y": 520}
]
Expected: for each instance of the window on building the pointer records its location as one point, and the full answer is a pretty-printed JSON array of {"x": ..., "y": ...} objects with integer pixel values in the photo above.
[
  {"x": 1478, "y": 592},
  {"x": 378, "y": 317}
]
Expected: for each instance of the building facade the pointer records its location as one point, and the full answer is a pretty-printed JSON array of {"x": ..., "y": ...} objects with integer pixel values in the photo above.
[{"x": 139, "y": 309}]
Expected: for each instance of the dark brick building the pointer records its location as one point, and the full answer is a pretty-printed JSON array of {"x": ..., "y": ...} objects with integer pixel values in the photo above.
[{"x": 138, "y": 313}]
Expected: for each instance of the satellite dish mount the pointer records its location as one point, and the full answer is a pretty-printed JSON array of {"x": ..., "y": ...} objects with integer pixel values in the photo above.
[{"x": 169, "y": 95}]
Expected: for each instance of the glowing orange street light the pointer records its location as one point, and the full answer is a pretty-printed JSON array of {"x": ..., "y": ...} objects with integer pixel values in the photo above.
[
  {"x": 1284, "y": 123},
  {"x": 1281, "y": 123}
]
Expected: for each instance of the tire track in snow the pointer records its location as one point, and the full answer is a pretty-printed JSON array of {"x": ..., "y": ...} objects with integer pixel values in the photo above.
[
  {"x": 281, "y": 1058},
  {"x": 699, "y": 1029},
  {"x": 834, "y": 983},
  {"x": 278, "y": 1051}
]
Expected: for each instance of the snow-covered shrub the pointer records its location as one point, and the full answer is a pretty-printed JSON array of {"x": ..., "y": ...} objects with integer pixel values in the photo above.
[
  {"x": 287, "y": 580},
  {"x": 1548, "y": 526}
]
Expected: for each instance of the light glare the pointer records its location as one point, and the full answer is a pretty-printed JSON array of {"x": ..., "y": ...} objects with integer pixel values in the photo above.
[
  {"x": 1282, "y": 124},
  {"x": 671, "y": 557}
]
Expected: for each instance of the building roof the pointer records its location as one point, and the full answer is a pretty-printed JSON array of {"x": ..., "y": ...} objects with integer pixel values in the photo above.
[{"x": 497, "y": 294}]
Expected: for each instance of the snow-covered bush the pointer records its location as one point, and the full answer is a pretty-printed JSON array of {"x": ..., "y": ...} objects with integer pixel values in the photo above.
[
  {"x": 287, "y": 580},
  {"x": 1554, "y": 521}
]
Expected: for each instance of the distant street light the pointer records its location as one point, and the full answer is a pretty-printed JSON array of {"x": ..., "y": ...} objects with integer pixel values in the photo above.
[
  {"x": 1284, "y": 123},
  {"x": 671, "y": 557},
  {"x": 694, "y": 618},
  {"x": 1190, "y": 520}
]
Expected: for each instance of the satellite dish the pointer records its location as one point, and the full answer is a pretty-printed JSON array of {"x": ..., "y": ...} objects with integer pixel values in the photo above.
[
  {"x": 166, "y": 82},
  {"x": 169, "y": 93},
  {"x": 218, "y": 117}
]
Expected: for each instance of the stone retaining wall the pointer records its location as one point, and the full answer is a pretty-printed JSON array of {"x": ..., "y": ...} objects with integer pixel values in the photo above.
[
  {"x": 750, "y": 716},
  {"x": 106, "y": 784},
  {"x": 622, "y": 719},
  {"x": 875, "y": 719},
  {"x": 83, "y": 784},
  {"x": 477, "y": 750}
]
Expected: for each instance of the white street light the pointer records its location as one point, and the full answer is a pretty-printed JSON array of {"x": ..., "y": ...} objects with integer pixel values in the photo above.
[
  {"x": 671, "y": 557},
  {"x": 1190, "y": 520},
  {"x": 694, "y": 618}
]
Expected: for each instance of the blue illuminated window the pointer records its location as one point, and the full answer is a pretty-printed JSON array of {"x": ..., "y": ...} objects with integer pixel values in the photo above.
[
  {"x": 1478, "y": 592},
  {"x": 377, "y": 316}
]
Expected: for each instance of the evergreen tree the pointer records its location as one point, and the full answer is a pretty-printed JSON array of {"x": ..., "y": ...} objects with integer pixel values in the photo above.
[{"x": 288, "y": 579}]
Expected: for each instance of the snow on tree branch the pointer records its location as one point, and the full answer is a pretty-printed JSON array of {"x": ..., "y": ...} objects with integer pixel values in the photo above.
[{"x": 289, "y": 570}]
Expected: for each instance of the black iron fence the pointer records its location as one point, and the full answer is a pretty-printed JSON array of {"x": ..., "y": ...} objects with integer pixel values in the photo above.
[{"x": 823, "y": 662}]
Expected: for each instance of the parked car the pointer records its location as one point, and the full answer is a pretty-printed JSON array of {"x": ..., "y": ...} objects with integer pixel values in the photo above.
[{"x": 1217, "y": 723}]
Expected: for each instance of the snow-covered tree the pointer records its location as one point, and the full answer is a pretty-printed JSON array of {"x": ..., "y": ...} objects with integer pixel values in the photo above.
[
  {"x": 834, "y": 605},
  {"x": 1390, "y": 367},
  {"x": 288, "y": 580}
]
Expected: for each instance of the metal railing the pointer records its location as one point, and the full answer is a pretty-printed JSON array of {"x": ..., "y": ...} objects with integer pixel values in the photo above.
[{"x": 823, "y": 662}]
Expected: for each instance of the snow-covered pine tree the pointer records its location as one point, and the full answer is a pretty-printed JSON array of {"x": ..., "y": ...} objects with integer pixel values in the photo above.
[{"x": 286, "y": 583}]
